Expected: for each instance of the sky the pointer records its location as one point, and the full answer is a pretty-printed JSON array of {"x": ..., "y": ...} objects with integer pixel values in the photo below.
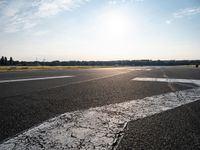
[{"x": 100, "y": 29}]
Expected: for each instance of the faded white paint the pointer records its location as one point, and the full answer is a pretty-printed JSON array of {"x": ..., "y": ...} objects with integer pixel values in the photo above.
[
  {"x": 140, "y": 69},
  {"x": 96, "y": 128},
  {"x": 169, "y": 80},
  {"x": 34, "y": 79}
]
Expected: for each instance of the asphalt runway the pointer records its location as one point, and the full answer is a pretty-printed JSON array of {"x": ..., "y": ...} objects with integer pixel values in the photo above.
[{"x": 26, "y": 104}]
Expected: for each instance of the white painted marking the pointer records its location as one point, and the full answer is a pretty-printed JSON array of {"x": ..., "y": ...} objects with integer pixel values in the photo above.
[
  {"x": 140, "y": 69},
  {"x": 33, "y": 79},
  {"x": 197, "y": 82},
  {"x": 96, "y": 128}
]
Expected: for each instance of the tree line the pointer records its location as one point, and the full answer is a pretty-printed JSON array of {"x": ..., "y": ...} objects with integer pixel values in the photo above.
[{"x": 5, "y": 62}]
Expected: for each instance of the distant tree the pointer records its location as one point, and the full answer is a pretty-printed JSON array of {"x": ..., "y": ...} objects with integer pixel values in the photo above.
[
  {"x": 11, "y": 61},
  {"x": 2, "y": 61},
  {"x": 5, "y": 61}
]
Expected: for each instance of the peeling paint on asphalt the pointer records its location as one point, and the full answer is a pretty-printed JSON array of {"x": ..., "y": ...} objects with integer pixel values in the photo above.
[{"x": 96, "y": 128}]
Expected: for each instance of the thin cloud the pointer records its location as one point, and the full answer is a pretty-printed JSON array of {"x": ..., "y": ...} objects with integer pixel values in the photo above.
[
  {"x": 2, "y": 3},
  {"x": 22, "y": 15},
  {"x": 114, "y": 2},
  {"x": 52, "y": 7},
  {"x": 184, "y": 13}
]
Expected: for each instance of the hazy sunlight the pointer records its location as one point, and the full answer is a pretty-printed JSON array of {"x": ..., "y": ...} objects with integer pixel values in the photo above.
[{"x": 116, "y": 23}]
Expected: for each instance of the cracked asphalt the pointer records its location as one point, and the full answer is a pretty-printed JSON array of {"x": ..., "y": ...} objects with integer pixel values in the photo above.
[
  {"x": 174, "y": 129},
  {"x": 27, "y": 104}
]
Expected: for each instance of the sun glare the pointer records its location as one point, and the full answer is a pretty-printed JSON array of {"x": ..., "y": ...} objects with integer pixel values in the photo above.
[{"x": 116, "y": 23}]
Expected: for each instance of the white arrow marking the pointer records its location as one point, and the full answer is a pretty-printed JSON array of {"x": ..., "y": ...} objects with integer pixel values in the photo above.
[
  {"x": 96, "y": 128},
  {"x": 34, "y": 79}
]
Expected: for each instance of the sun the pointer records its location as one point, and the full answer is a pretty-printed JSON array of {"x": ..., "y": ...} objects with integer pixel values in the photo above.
[{"x": 116, "y": 23}]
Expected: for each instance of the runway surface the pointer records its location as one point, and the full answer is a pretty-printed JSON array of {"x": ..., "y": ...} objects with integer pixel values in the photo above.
[{"x": 37, "y": 96}]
